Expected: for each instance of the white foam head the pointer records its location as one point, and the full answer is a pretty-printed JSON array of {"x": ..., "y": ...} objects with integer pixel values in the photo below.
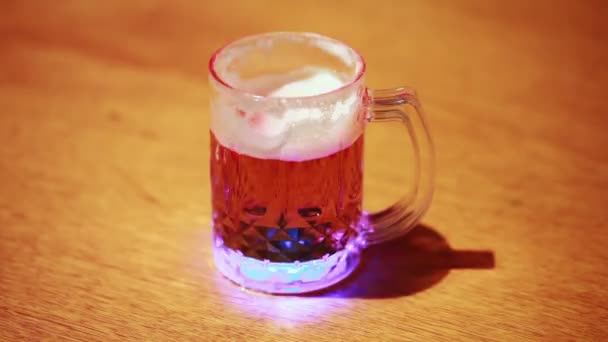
[
  {"x": 291, "y": 123},
  {"x": 319, "y": 83}
]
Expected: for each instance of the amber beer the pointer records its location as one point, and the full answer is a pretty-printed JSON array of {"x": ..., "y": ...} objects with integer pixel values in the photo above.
[{"x": 286, "y": 210}]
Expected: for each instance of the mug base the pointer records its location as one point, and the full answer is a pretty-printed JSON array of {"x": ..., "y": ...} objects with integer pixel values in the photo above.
[{"x": 283, "y": 277}]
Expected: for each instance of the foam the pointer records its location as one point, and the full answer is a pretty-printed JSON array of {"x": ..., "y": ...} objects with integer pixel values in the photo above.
[
  {"x": 319, "y": 83},
  {"x": 300, "y": 129}
]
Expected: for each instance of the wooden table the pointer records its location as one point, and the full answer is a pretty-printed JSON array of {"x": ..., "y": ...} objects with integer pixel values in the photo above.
[{"x": 104, "y": 190}]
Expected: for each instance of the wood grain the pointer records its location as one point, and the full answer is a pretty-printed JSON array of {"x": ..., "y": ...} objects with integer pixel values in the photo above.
[{"x": 104, "y": 191}]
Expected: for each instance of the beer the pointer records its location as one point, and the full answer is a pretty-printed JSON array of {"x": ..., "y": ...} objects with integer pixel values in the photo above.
[
  {"x": 286, "y": 211},
  {"x": 288, "y": 193}
]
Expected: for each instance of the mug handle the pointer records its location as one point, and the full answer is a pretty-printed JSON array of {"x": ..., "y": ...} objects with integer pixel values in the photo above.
[{"x": 402, "y": 104}]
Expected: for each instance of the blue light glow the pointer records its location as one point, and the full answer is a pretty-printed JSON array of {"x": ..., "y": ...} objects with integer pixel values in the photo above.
[{"x": 278, "y": 277}]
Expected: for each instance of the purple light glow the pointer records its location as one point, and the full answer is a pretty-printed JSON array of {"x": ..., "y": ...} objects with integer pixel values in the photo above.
[
  {"x": 283, "y": 311},
  {"x": 277, "y": 277}
]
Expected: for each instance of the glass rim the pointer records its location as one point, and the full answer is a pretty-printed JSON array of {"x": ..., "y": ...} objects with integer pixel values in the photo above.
[{"x": 212, "y": 71}]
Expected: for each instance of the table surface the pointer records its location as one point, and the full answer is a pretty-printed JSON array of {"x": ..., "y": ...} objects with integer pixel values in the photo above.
[{"x": 104, "y": 190}]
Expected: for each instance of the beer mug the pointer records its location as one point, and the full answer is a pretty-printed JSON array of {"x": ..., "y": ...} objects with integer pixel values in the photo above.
[{"x": 288, "y": 115}]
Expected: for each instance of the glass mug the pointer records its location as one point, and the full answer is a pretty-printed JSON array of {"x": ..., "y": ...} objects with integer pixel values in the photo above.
[{"x": 288, "y": 112}]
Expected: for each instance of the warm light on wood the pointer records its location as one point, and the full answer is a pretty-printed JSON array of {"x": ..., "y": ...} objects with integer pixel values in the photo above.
[{"x": 104, "y": 189}]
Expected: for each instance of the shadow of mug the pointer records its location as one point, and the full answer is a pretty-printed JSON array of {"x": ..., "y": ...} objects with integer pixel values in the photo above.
[{"x": 407, "y": 265}]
